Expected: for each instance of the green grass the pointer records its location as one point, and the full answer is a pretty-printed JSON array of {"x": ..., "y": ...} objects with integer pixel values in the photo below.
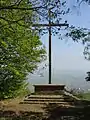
[{"x": 85, "y": 96}]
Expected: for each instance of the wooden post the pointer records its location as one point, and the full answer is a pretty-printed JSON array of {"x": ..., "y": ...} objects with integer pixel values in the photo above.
[{"x": 50, "y": 72}]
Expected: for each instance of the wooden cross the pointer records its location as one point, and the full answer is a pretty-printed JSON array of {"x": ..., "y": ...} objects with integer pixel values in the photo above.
[{"x": 50, "y": 25}]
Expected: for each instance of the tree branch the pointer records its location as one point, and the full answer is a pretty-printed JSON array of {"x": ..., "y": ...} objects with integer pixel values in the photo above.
[
  {"x": 16, "y": 3},
  {"x": 12, "y": 21},
  {"x": 20, "y": 8}
]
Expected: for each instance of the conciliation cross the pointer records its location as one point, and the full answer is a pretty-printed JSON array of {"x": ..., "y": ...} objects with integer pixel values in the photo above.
[{"x": 50, "y": 25}]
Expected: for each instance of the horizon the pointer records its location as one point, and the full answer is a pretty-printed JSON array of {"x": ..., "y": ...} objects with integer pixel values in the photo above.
[{"x": 69, "y": 78}]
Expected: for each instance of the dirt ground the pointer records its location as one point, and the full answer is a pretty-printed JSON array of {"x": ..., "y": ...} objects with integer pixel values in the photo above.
[{"x": 14, "y": 105}]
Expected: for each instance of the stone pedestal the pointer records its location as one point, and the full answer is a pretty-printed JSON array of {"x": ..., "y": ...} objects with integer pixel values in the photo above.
[
  {"x": 47, "y": 94},
  {"x": 48, "y": 87}
]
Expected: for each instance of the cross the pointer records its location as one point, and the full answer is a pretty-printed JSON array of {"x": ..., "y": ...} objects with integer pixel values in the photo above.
[{"x": 50, "y": 25}]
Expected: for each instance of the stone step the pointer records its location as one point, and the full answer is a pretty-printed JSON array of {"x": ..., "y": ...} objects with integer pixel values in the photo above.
[
  {"x": 55, "y": 100},
  {"x": 47, "y": 97},
  {"x": 39, "y": 102},
  {"x": 50, "y": 100}
]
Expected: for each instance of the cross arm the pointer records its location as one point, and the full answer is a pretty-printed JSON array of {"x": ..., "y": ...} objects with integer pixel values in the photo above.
[{"x": 52, "y": 25}]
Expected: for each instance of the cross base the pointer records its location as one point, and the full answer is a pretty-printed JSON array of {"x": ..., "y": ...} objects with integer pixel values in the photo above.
[{"x": 48, "y": 88}]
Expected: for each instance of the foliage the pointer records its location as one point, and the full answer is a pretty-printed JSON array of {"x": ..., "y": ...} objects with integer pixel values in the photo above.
[
  {"x": 20, "y": 48},
  {"x": 80, "y": 94},
  {"x": 88, "y": 77},
  {"x": 86, "y": 96},
  {"x": 77, "y": 92},
  {"x": 41, "y": 8},
  {"x": 52, "y": 10},
  {"x": 81, "y": 35},
  {"x": 81, "y": 1}
]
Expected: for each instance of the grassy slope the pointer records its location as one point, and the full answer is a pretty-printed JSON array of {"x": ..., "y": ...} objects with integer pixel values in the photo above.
[{"x": 85, "y": 96}]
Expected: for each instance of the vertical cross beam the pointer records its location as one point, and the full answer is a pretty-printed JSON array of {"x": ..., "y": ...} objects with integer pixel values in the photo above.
[{"x": 50, "y": 73}]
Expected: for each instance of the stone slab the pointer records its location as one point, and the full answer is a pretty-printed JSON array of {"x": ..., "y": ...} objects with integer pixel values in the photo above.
[{"x": 48, "y": 87}]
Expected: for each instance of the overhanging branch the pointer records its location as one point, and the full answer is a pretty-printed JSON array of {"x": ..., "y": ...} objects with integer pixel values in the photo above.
[
  {"x": 20, "y": 8},
  {"x": 16, "y": 3},
  {"x": 12, "y": 21}
]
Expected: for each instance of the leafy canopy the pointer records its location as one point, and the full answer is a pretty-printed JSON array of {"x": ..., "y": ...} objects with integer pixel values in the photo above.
[{"x": 20, "y": 48}]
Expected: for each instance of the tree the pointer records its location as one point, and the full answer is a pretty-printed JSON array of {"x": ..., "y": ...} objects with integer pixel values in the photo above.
[
  {"x": 81, "y": 1},
  {"x": 20, "y": 47},
  {"x": 41, "y": 9}
]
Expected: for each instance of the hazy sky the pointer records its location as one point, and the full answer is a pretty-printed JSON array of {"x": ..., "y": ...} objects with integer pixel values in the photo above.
[{"x": 69, "y": 55}]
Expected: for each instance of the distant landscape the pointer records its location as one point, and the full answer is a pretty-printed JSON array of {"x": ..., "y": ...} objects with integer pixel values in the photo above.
[{"x": 71, "y": 78}]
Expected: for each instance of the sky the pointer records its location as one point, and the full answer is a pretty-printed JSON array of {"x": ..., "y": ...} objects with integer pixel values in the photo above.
[{"x": 66, "y": 54}]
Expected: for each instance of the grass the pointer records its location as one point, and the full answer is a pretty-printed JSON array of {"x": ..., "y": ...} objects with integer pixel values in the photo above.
[{"x": 84, "y": 96}]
